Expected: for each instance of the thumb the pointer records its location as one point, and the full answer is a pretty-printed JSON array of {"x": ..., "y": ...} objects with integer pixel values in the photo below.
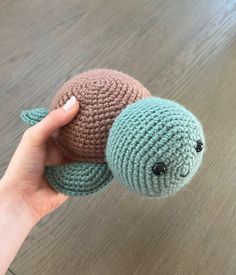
[{"x": 41, "y": 132}]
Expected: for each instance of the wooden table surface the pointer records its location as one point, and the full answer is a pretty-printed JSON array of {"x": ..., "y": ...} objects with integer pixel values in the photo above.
[{"x": 183, "y": 50}]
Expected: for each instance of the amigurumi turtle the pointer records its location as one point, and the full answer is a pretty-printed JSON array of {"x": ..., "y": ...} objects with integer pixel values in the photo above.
[{"x": 153, "y": 146}]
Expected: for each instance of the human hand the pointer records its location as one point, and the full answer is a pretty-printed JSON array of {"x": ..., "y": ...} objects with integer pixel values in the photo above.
[{"x": 25, "y": 174}]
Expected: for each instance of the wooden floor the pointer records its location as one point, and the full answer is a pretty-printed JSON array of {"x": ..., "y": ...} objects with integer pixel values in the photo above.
[{"x": 183, "y": 50}]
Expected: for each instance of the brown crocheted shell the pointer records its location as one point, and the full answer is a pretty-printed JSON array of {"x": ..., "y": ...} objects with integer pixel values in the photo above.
[{"x": 102, "y": 94}]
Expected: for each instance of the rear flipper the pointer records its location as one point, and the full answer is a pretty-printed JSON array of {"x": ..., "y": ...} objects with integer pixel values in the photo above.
[
  {"x": 78, "y": 179},
  {"x": 32, "y": 117}
]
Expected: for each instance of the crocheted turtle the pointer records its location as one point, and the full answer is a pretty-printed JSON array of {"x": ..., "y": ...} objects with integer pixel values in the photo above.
[{"x": 153, "y": 146}]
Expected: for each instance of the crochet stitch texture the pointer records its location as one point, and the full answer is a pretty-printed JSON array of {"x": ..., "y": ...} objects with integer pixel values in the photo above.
[
  {"x": 151, "y": 145},
  {"x": 151, "y": 131},
  {"x": 102, "y": 95},
  {"x": 79, "y": 178}
]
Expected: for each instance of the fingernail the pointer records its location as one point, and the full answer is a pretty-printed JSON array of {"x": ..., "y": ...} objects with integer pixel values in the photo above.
[{"x": 69, "y": 105}]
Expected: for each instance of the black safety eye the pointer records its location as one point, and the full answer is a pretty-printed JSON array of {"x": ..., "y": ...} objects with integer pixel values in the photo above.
[
  {"x": 199, "y": 146},
  {"x": 159, "y": 168}
]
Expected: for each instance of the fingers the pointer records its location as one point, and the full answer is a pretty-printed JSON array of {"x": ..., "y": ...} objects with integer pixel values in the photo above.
[
  {"x": 40, "y": 133},
  {"x": 54, "y": 155}
]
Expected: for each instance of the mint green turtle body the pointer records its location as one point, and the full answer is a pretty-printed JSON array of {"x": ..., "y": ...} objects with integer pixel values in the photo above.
[{"x": 154, "y": 147}]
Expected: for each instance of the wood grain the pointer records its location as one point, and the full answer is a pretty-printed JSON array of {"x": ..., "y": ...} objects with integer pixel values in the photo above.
[{"x": 182, "y": 50}]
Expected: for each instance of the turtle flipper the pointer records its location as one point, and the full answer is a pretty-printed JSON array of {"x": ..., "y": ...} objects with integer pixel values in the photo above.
[
  {"x": 32, "y": 117},
  {"x": 78, "y": 179}
]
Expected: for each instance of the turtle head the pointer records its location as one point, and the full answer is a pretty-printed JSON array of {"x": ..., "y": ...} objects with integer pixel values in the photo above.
[{"x": 155, "y": 146}]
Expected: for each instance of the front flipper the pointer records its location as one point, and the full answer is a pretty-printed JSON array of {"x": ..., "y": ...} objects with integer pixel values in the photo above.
[
  {"x": 32, "y": 117},
  {"x": 78, "y": 179}
]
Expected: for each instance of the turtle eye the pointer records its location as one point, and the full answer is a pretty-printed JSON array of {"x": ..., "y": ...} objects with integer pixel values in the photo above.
[
  {"x": 199, "y": 146},
  {"x": 159, "y": 168}
]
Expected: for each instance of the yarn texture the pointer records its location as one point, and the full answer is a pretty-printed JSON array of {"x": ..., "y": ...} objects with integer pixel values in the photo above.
[
  {"x": 153, "y": 131},
  {"x": 151, "y": 145},
  {"x": 79, "y": 178},
  {"x": 31, "y": 118},
  {"x": 74, "y": 179},
  {"x": 102, "y": 95}
]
